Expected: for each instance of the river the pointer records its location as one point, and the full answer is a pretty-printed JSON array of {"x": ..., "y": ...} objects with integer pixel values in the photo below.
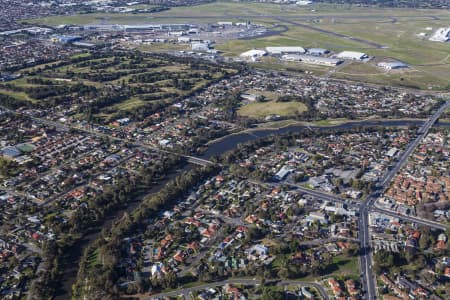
[
  {"x": 75, "y": 253},
  {"x": 219, "y": 147},
  {"x": 230, "y": 142}
]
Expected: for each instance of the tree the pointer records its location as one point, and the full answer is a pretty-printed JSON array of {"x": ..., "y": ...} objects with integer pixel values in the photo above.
[
  {"x": 269, "y": 294},
  {"x": 352, "y": 250},
  {"x": 283, "y": 271}
]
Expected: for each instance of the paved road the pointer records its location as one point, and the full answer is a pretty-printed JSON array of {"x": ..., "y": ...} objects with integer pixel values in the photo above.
[
  {"x": 223, "y": 218},
  {"x": 368, "y": 279},
  {"x": 325, "y": 196},
  {"x": 333, "y": 33},
  {"x": 65, "y": 127},
  {"x": 185, "y": 292},
  {"x": 384, "y": 183},
  {"x": 417, "y": 220},
  {"x": 365, "y": 207},
  {"x": 364, "y": 232},
  {"x": 315, "y": 193}
]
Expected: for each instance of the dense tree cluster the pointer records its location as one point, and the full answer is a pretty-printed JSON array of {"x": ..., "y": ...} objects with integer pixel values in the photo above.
[
  {"x": 99, "y": 281},
  {"x": 88, "y": 218}
]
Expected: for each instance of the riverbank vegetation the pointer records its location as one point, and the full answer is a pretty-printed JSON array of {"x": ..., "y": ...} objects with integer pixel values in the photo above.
[{"x": 98, "y": 270}]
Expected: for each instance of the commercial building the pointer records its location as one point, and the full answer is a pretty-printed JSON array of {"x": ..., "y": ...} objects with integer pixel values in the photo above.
[
  {"x": 37, "y": 30},
  {"x": 285, "y": 50},
  {"x": 441, "y": 35},
  {"x": 29, "y": 30},
  {"x": 353, "y": 55},
  {"x": 65, "y": 39},
  {"x": 318, "y": 51},
  {"x": 226, "y": 23},
  {"x": 138, "y": 27},
  {"x": 315, "y": 60},
  {"x": 11, "y": 152},
  {"x": 184, "y": 39},
  {"x": 303, "y": 2},
  {"x": 199, "y": 46},
  {"x": 84, "y": 44},
  {"x": 282, "y": 173},
  {"x": 176, "y": 33},
  {"x": 392, "y": 65},
  {"x": 253, "y": 53}
]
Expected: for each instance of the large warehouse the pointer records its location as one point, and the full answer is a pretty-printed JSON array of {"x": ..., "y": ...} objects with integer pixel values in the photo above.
[
  {"x": 395, "y": 65},
  {"x": 441, "y": 35},
  {"x": 353, "y": 55},
  {"x": 200, "y": 46},
  {"x": 285, "y": 50},
  {"x": 311, "y": 59},
  {"x": 253, "y": 53},
  {"x": 318, "y": 51}
]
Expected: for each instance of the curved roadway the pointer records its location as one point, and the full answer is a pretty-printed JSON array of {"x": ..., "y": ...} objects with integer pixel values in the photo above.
[{"x": 186, "y": 292}]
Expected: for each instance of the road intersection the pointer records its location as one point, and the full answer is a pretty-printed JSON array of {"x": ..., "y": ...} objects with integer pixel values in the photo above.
[
  {"x": 365, "y": 208},
  {"x": 369, "y": 205}
]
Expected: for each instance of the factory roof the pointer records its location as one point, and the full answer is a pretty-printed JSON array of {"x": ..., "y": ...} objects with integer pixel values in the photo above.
[
  {"x": 393, "y": 65},
  {"x": 285, "y": 49},
  {"x": 254, "y": 53},
  {"x": 352, "y": 55}
]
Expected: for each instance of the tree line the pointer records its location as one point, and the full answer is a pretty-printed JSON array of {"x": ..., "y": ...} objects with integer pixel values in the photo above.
[{"x": 100, "y": 281}]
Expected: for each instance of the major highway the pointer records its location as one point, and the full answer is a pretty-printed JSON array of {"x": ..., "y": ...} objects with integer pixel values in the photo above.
[
  {"x": 368, "y": 280},
  {"x": 423, "y": 130},
  {"x": 326, "y": 197},
  {"x": 413, "y": 219}
]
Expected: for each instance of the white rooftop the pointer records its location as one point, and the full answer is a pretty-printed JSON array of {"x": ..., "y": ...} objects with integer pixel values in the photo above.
[
  {"x": 441, "y": 35},
  {"x": 289, "y": 49},
  {"x": 253, "y": 53},
  {"x": 352, "y": 55}
]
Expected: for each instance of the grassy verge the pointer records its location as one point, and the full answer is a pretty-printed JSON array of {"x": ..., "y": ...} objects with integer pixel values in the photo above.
[{"x": 263, "y": 109}]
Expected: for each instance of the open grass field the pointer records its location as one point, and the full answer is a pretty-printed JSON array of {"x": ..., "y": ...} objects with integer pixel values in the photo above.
[
  {"x": 397, "y": 30},
  {"x": 16, "y": 94},
  {"x": 262, "y": 109},
  {"x": 340, "y": 266}
]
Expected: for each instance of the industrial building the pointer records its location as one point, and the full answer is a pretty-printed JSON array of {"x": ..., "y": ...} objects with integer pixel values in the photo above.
[
  {"x": 318, "y": 51},
  {"x": 311, "y": 59},
  {"x": 29, "y": 30},
  {"x": 37, "y": 30},
  {"x": 392, "y": 65},
  {"x": 84, "y": 44},
  {"x": 285, "y": 50},
  {"x": 184, "y": 40},
  {"x": 282, "y": 173},
  {"x": 353, "y": 55},
  {"x": 200, "y": 46},
  {"x": 253, "y": 53},
  {"x": 10, "y": 152},
  {"x": 441, "y": 35},
  {"x": 65, "y": 39},
  {"x": 139, "y": 28},
  {"x": 225, "y": 23}
]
